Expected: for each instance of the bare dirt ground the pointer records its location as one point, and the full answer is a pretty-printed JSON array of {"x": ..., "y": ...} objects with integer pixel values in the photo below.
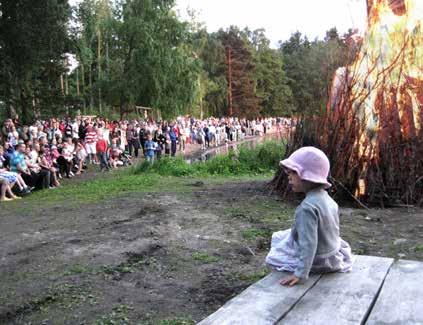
[{"x": 161, "y": 258}]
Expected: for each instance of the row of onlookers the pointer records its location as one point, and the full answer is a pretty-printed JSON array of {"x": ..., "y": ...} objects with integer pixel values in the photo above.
[{"x": 41, "y": 154}]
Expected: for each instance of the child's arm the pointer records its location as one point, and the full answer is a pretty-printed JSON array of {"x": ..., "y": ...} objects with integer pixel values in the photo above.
[{"x": 306, "y": 224}]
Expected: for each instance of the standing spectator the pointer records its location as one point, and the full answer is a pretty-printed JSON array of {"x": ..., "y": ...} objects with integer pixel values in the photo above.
[
  {"x": 7, "y": 127},
  {"x": 143, "y": 137},
  {"x": 90, "y": 143},
  {"x": 150, "y": 148},
  {"x": 101, "y": 148},
  {"x": 133, "y": 140},
  {"x": 160, "y": 139},
  {"x": 182, "y": 138},
  {"x": 173, "y": 139}
]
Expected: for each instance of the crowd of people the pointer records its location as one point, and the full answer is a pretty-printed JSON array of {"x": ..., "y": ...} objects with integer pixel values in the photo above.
[{"x": 39, "y": 155}]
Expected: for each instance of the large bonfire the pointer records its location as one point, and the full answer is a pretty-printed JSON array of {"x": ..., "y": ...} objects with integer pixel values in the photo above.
[{"x": 372, "y": 130}]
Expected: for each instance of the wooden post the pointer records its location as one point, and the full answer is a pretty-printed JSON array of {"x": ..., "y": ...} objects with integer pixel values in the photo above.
[
  {"x": 229, "y": 62},
  {"x": 61, "y": 84}
]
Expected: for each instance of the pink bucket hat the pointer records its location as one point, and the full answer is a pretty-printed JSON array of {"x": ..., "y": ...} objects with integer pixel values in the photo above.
[{"x": 310, "y": 163}]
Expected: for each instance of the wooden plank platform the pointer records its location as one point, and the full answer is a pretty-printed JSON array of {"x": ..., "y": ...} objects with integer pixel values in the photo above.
[
  {"x": 342, "y": 298},
  {"x": 262, "y": 303},
  {"x": 401, "y": 298},
  {"x": 377, "y": 291}
]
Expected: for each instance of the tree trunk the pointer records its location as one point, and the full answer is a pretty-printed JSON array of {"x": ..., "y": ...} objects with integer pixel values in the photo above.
[
  {"x": 229, "y": 62},
  {"x": 24, "y": 108},
  {"x": 66, "y": 79},
  {"x": 90, "y": 80},
  {"x": 62, "y": 87},
  {"x": 107, "y": 57},
  {"x": 99, "y": 68},
  {"x": 83, "y": 88},
  {"x": 77, "y": 81}
]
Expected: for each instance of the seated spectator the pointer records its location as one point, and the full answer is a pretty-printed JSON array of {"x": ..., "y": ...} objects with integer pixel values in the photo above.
[
  {"x": 5, "y": 189},
  {"x": 13, "y": 136},
  {"x": 65, "y": 161},
  {"x": 46, "y": 163},
  {"x": 80, "y": 156},
  {"x": 31, "y": 174},
  {"x": 11, "y": 177},
  {"x": 114, "y": 154}
]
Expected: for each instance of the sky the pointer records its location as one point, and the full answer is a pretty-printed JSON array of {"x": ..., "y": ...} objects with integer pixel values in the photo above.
[{"x": 280, "y": 18}]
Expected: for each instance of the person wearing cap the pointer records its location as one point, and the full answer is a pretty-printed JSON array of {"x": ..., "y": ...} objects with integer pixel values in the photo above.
[{"x": 313, "y": 244}]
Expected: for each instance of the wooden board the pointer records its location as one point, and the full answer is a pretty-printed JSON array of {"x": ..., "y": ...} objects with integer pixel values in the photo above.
[
  {"x": 262, "y": 303},
  {"x": 342, "y": 298},
  {"x": 401, "y": 298}
]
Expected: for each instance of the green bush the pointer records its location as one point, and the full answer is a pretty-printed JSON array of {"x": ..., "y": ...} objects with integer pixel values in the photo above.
[
  {"x": 166, "y": 166},
  {"x": 264, "y": 158}
]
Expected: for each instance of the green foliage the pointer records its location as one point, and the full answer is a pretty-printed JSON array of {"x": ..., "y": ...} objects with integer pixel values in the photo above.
[
  {"x": 418, "y": 248},
  {"x": 254, "y": 277},
  {"x": 176, "y": 321},
  {"x": 253, "y": 233},
  {"x": 166, "y": 166},
  {"x": 271, "y": 82},
  {"x": 264, "y": 158},
  {"x": 204, "y": 257},
  {"x": 119, "y": 315},
  {"x": 310, "y": 66},
  {"x": 33, "y": 40},
  {"x": 138, "y": 52},
  {"x": 245, "y": 102}
]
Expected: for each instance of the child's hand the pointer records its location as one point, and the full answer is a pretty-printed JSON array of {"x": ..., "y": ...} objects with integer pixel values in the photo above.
[{"x": 290, "y": 281}]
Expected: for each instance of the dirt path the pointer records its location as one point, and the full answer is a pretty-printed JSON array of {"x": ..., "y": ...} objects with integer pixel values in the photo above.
[{"x": 161, "y": 258}]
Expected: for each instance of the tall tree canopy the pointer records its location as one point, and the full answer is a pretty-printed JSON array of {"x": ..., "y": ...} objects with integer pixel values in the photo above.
[
  {"x": 33, "y": 40},
  {"x": 138, "y": 52}
]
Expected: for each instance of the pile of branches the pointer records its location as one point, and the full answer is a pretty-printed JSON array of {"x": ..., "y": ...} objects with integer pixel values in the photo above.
[{"x": 386, "y": 169}]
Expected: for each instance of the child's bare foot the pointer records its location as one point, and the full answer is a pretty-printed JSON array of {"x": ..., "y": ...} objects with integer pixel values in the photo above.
[
  {"x": 5, "y": 199},
  {"x": 14, "y": 197}
]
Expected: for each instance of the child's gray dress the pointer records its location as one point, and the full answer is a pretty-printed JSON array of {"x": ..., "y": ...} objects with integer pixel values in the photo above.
[{"x": 313, "y": 244}]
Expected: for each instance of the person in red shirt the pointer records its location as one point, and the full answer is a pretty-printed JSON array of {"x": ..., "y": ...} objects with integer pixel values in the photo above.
[{"x": 101, "y": 148}]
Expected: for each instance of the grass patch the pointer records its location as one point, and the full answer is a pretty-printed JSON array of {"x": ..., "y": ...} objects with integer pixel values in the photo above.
[
  {"x": 118, "y": 315},
  {"x": 204, "y": 257},
  {"x": 79, "y": 269},
  {"x": 62, "y": 295},
  {"x": 253, "y": 233},
  {"x": 253, "y": 277},
  {"x": 418, "y": 248},
  {"x": 176, "y": 321},
  {"x": 262, "y": 211},
  {"x": 132, "y": 265}
]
